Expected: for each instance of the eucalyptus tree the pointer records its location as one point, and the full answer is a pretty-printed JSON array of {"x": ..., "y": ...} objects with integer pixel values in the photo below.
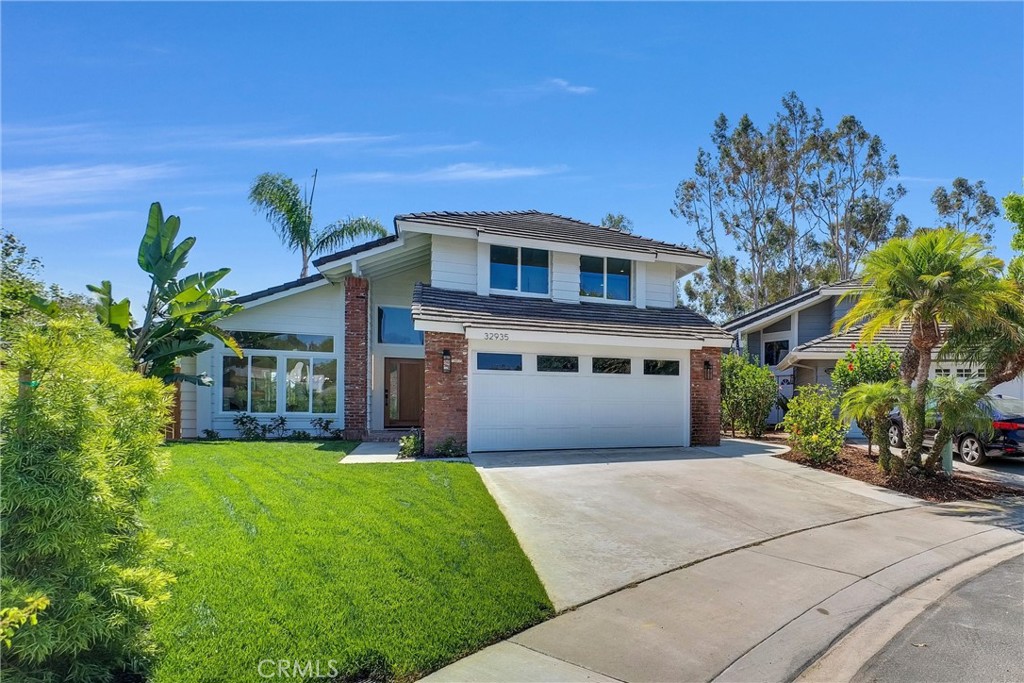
[
  {"x": 932, "y": 282},
  {"x": 617, "y": 221},
  {"x": 966, "y": 207},
  {"x": 851, "y": 193},
  {"x": 289, "y": 210}
]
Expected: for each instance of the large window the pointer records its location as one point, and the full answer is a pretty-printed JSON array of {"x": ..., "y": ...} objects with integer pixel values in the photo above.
[
  {"x": 519, "y": 269},
  {"x": 606, "y": 278},
  {"x": 395, "y": 326},
  {"x": 775, "y": 351},
  {"x": 280, "y": 373}
]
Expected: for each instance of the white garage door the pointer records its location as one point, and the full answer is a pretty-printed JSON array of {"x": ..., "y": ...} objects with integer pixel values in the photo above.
[{"x": 528, "y": 401}]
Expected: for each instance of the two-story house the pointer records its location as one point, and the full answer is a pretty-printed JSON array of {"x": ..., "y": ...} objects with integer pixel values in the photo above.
[
  {"x": 504, "y": 331},
  {"x": 795, "y": 338}
]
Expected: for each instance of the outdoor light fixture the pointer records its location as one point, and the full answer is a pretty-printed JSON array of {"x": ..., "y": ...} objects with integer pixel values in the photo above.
[
  {"x": 446, "y": 361},
  {"x": 708, "y": 370}
]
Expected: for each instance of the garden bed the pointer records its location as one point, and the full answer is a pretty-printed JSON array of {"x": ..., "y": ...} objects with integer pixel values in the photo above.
[{"x": 853, "y": 462}]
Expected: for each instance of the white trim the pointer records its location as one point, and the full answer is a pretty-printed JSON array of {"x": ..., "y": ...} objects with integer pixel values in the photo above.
[
  {"x": 536, "y": 336},
  {"x": 776, "y": 315},
  {"x": 640, "y": 294},
  {"x": 432, "y": 229},
  {"x": 566, "y": 247},
  {"x": 437, "y": 326},
  {"x": 284, "y": 294},
  {"x": 335, "y": 266}
]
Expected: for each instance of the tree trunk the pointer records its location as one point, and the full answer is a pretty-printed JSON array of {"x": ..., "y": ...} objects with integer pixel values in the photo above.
[
  {"x": 879, "y": 434},
  {"x": 915, "y": 425},
  {"x": 941, "y": 439}
]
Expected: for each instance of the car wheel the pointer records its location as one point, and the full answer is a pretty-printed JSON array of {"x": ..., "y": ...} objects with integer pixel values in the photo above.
[
  {"x": 895, "y": 436},
  {"x": 972, "y": 451}
]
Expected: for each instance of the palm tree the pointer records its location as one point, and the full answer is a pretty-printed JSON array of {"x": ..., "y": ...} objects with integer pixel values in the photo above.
[
  {"x": 290, "y": 213},
  {"x": 962, "y": 409},
  {"x": 933, "y": 281},
  {"x": 874, "y": 401}
]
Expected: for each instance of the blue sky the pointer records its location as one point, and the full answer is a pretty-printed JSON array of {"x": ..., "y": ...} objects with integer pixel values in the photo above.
[{"x": 577, "y": 109}]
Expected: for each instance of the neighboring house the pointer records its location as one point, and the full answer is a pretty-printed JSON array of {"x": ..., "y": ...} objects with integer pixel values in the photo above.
[
  {"x": 504, "y": 331},
  {"x": 795, "y": 338}
]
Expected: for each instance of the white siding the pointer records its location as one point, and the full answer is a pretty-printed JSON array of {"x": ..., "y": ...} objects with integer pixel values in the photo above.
[
  {"x": 661, "y": 285},
  {"x": 188, "y": 400},
  {"x": 565, "y": 277},
  {"x": 317, "y": 311},
  {"x": 453, "y": 263}
]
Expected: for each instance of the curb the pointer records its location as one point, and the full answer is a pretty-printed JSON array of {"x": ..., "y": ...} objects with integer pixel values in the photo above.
[{"x": 851, "y": 652}]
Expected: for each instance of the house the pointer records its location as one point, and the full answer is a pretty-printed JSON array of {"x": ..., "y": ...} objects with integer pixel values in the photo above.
[
  {"x": 503, "y": 331},
  {"x": 795, "y": 338}
]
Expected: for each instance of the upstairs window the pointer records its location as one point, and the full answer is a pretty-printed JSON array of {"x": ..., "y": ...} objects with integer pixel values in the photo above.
[
  {"x": 606, "y": 278},
  {"x": 519, "y": 269}
]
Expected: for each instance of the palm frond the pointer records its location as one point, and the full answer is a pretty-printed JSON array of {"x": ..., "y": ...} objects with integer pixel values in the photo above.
[
  {"x": 279, "y": 200},
  {"x": 334, "y": 236}
]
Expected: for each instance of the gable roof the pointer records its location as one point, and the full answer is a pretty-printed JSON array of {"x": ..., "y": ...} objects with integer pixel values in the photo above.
[
  {"x": 550, "y": 227},
  {"x": 542, "y": 315},
  {"x": 796, "y": 302},
  {"x": 352, "y": 251},
  {"x": 277, "y": 289}
]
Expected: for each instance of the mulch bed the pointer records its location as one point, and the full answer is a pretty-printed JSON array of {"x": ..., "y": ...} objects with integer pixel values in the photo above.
[{"x": 854, "y": 462}]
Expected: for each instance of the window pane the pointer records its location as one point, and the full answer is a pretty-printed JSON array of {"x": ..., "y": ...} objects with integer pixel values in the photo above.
[
  {"x": 591, "y": 276},
  {"x": 775, "y": 351},
  {"x": 661, "y": 367},
  {"x": 558, "y": 364},
  {"x": 264, "y": 384},
  {"x": 535, "y": 271},
  {"x": 619, "y": 272},
  {"x": 395, "y": 326},
  {"x": 296, "y": 392},
  {"x": 235, "y": 384},
  {"x": 325, "y": 386},
  {"x": 612, "y": 366},
  {"x": 273, "y": 341},
  {"x": 504, "y": 267},
  {"x": 499, "y": 361}
]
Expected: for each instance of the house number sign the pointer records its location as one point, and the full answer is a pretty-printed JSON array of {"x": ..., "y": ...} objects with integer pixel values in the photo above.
[{"x": 496, "y": 336}]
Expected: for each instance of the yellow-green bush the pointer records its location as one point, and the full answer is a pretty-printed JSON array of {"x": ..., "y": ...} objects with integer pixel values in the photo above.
[
  {"x": 81, "y": 444},
  {"x": 814, "y": 429}
]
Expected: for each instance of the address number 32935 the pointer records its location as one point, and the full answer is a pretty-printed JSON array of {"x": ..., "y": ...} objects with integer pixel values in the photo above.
[{"x": 496, "y": 336}]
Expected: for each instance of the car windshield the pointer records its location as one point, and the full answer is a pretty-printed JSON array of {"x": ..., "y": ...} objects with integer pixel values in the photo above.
[{"x": 1008, "y": 405}]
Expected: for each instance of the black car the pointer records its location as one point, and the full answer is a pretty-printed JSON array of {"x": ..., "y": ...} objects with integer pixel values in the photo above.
[{"x": 1006, "y": 441}]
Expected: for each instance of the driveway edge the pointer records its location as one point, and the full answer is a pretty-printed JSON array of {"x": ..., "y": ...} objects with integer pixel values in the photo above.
[{"x": 871, "y": 634}]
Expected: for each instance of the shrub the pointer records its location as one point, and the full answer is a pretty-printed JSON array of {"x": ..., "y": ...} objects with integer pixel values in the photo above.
[
  {"x": 249, "y": 428},
  {"x": 278, "y": 427},
  {"x": 81, "y": 447},
  {"x": 865, "y": 363},
  {"x": 301, "y": 435},
  {"x": 410, "y": 445},
  {"x": 450, "y": 448},
  {"x": 749, "y": 392},
  {"x": 210, "y": 434},
  {"x": 338, "y": 434},
  {"x": 322, "y": 425},
  {"x": 814, "y": 430}
]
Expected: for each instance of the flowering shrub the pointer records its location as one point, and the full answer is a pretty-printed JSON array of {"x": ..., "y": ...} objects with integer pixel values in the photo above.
[
  {"x": 865, "y": 363},
  {"x": 814, "y": 430}
]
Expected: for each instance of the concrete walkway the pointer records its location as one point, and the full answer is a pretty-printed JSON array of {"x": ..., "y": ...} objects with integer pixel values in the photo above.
[{"x": 759, "y": 613}]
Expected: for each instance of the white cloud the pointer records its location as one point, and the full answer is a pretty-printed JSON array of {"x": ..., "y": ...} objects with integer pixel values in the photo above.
[
  {"x": 562, "y": 85},
  {"x": 69, "y": 184},
  {"x": 416, "y": 150},
  {"x": 323, "y": 139},
  {"x": 70, "y": 222},
  {"x": 549, "y": 86},
  {"x": 462, "y": 172}
]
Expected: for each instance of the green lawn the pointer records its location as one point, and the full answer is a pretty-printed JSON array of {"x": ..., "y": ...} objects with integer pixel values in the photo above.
[{"x": 281, "y": 553}]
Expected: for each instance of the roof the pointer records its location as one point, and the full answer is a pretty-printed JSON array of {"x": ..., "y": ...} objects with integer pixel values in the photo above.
[
  {"x": 550, "y": 227},
  {"x": 263, "y": 293},
  {"x": 523, "y": 313},
  {"x": 352, "y": 251},
  {"x": 791, "y": 303}
]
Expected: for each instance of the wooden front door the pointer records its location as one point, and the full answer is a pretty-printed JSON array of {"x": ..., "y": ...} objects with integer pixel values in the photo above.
[{"x": 403, "y": 392}]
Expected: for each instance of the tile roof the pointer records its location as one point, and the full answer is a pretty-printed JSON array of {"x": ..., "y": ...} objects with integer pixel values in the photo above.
[
  {"x": 523, "y": 313},
  {"x": 284, "y": 287},
  {"x": 851, "y": 285},
  {"x": 550, "y": 227},
  {"x": 895, "y": 338}
]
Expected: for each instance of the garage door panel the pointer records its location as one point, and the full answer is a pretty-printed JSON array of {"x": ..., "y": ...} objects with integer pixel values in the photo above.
[{"x": 528, "y": 410}]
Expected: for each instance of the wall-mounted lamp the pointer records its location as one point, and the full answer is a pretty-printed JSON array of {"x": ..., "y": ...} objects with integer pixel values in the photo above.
[
  {"x": 708, "y": 370},
  {"x": 446, "y": 361}
]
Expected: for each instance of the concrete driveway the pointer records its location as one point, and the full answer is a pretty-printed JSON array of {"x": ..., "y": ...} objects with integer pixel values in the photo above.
[{"x": 595, "y": 521}]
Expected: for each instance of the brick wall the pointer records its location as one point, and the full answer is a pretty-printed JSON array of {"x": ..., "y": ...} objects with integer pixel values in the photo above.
[
  {"x": 445, "y": 395},
  {"x": 356, "y": 359},
  {"x": 705, "y": 398}
]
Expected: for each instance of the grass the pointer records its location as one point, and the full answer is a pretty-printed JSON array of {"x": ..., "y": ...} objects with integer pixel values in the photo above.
[{"x": 391, "y": 570}]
